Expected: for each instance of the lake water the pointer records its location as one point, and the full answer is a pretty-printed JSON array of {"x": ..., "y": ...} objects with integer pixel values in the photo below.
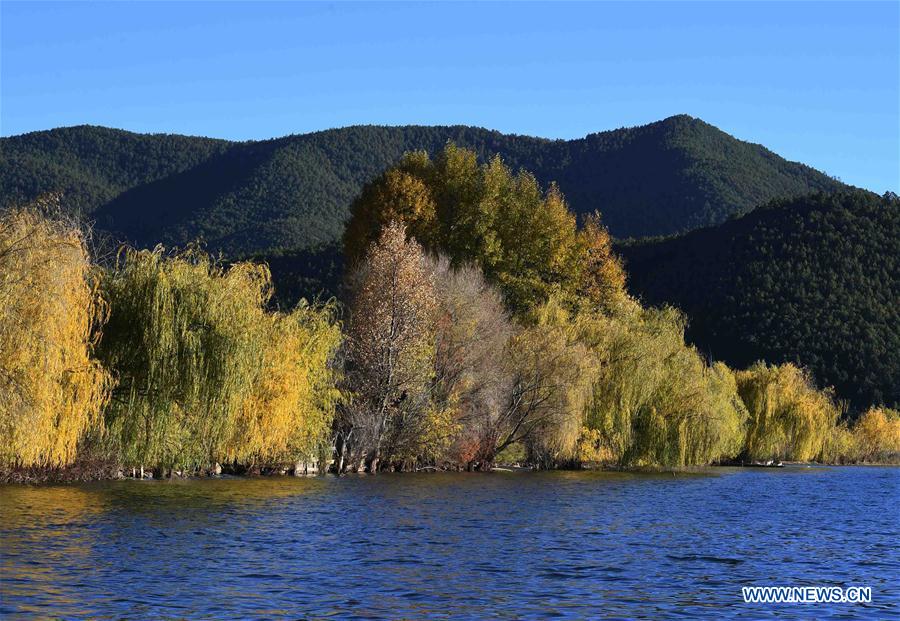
[{"x": 472, "y": 546}]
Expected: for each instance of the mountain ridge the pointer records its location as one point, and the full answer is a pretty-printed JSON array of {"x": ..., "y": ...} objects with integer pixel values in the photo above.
[{"x": 293, "y": 192}]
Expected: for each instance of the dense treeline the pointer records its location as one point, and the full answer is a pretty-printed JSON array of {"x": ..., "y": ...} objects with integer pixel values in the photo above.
[
  {"x": 813, "y": 281},
  {"x": 579, "y": 372},
  {"x": 93, "y": 165},
  {"x": 481, "y": 325},
  {"x": 293, "y": 193},
  {"x": 165, "y": 360}
]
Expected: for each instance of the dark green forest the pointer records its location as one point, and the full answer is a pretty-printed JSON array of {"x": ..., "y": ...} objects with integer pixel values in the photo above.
[
  {"x": 814, "y": 281},
  {"x": 294, "y": 193}
]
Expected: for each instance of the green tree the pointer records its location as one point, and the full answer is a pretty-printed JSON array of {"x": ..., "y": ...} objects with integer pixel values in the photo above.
[
  {"x": 525, "y": 240},
  {"x": 206, "y": 373}
]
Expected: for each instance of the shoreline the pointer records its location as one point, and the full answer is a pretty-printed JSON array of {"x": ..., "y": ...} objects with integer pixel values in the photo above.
[{"x": 99, "y": 471}]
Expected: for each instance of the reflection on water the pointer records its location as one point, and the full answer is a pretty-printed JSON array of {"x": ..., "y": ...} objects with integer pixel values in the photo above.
[{"x": 500, "y": 545}]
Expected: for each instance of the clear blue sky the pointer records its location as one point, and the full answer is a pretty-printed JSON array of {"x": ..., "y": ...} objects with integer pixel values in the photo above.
[{"x": 815, "y": 82}]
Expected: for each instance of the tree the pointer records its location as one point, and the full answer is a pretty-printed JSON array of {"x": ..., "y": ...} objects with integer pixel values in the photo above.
[
  {"x": 288, "y": 413},
  {"x": 472, "y": 333},
  {"x": 539, "y": 253},
  {"x": 397, "y": 196},
  {"x": 551, "y": 371},
  {"x": 51, "y": 388},
  {"x": 603, "y": 277},
  {"x": 876, "y": 435},
  {"x": 390, "y": 352},
  {"x": 789, "y": 417},
  {"x": 206, "y": 373},
  {"x": 524, "y": 240},
  {"x": 655, "y": 402}
]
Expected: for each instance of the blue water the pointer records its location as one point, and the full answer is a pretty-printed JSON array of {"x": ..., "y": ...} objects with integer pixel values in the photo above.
[{"x": 472, "y": 546}]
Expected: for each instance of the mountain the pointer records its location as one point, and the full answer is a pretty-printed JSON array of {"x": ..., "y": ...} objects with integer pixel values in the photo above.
[
  {"x": 93, "y": 165},
  {"x": 813, "y": 280},
  {"x": 293, "y": 193}
]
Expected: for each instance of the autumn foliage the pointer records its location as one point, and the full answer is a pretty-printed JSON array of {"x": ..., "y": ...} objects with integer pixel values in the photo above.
[
  {"x": 205, "y": 373},
  {"x": 52, "y": 389},
  {"x": 482, "y": 323},
  {"x": 168, "y": 360},
  {"x": 539, "y": 346}
]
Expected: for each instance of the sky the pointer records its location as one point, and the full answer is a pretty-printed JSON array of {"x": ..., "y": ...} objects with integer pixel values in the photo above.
[{"x": 814, "y": 82}]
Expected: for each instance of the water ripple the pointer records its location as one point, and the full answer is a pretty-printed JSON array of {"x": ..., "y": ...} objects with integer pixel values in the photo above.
[{"x": 463, "y": 546}]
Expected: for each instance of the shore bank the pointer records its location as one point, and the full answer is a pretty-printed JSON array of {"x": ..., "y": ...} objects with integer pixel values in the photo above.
[{"x": 98, "y": 470}]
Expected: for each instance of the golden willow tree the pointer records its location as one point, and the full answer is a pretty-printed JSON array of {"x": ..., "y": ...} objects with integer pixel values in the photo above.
[
  {"x": 288, "y": 413},
  {"x": 876, "y": 436},
  {"x": 654, "y": 400},
  {"x": 51, "y": 389},
  {"x": 205, "y": 373},
  {"x": 390, "y": 354},
  {"x": 789, "y": 417}
]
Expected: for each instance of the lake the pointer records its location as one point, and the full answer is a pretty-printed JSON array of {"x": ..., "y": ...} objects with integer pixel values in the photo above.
[{"x": 471, "y": 546}]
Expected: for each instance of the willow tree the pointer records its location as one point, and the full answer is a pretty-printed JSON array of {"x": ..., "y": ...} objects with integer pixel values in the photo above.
[
  {"x": 390, "y": 355},
  {"x": 551, "y": 371},
  {"x": 51, "y": 388},
  {"x": 876, "y": 436},
  {"x": 205, "y": 373},
  {"x": 789, "y": 418},
  {"x": 655, "y": 402},
  {"x": 288, "y": 412}
]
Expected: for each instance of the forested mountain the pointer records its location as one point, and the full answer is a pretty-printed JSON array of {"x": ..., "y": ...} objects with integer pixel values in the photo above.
[
  {"x": 93, "y": 165},
  {"x": 293, "y": 193},
  {"x": 815, "y": 281}
]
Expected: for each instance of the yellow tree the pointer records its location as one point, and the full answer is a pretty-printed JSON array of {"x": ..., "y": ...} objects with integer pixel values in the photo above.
[
  {"x": 288, "y": 412},
  {"x": 788, "y": 417},
  {"x": 51, "y": 388},
  {"x": 399, "y": 195},
  {"x": 655, "y": 402},
  {"x": 205, "y": 372},
  {"x": 877, "y": 435},
  {"x": 603, "y": 277}
]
